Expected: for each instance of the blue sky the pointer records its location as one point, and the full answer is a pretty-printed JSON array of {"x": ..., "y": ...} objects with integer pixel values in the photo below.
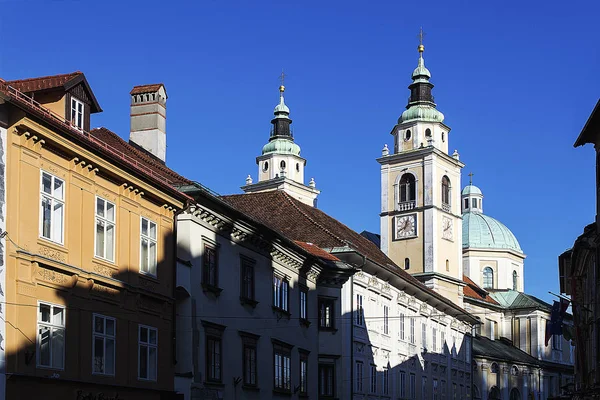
[{"x": 516, "y": 81}]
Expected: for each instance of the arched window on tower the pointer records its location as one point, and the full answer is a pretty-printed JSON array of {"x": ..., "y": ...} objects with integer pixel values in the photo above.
[
  {"x": 445, "y": 193},
  {"x": 488, "y": 278},
  {"x": 514, "y": 280},
  {"x": 406, "y": 263},
  {"x": 408, "y": 193}
]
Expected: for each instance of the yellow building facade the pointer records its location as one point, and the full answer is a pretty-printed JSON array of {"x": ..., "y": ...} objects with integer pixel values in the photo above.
[{"x": 89, "y": 251}]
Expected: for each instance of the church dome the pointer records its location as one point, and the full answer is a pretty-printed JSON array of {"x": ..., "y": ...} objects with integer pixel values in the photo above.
[
  {"x": 471, "y": 189},
  {"x": 483, "y": 232},
  {"x": 423, "y": 113},
  {"x": 281, "y": 146}
]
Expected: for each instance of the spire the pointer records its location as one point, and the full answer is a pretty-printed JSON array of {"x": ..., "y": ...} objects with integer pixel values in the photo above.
[{"x": 281, "y": 122}]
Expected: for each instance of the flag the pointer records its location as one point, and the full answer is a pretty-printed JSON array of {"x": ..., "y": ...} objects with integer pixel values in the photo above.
[{"x": 554, "y": 326}]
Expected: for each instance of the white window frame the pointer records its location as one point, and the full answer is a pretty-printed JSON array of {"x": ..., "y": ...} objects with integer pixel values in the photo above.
[
  {"x": 150, "y": 240},
  {"x": 78, "y": 119},
  {"x": 281, "y": 292},
  {"x": 148, "y": 345},
  {"x": 434, "y": 339},
  {"x": 424, "y": 335},
  {"x": 52, "y": 326},
  {"x": 53, "y": 200},
  {"x": 106, "y": 222},
  {"x": 411, "y": 335},
  {"x": 401, "y": 332},
  {"x": 359, "y": 375},
  {"x": 360, "y": 311},
  {"x": 386, "y": 325},
  {"x": 104, "y": 336}
]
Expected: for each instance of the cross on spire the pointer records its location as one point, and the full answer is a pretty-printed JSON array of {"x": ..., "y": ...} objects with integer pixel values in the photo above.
[
  {"x": 471, "y": 178},
  {"x": 282, "y": 78},
  {"x": 420, "y": 36}
]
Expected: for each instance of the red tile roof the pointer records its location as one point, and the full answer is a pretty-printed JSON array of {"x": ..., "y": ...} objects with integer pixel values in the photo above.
[
  {"x": 146, "y": 88},
  {"x": 316, "y": 251},
  {"x": 475, "y": 292},
  {"x": 43, "y": 82}
]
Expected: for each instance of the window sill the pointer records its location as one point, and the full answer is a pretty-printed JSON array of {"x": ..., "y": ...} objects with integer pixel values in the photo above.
[
  {"x": 47, "y": 241},
  {"x": 214, "y": 384},
  {"x": 282, "y": 392},
  {"x": 304, "y": 322},
  {"x": 149, "y": 275},
  {"x": 212, "y": 289},
  {"x": 249, "y": 302},
  {"x": 281, "y": 311},
  {"x": 326, "y": 329},
  {"x": 251, "y": 388}
]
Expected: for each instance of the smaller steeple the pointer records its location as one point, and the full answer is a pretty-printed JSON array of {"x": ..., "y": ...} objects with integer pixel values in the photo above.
[
  {"x": 472, "y": 197},
  {"x": 281, "y": 122}
]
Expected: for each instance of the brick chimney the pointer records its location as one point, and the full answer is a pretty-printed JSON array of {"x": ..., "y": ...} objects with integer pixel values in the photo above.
[{"x": 149, "y": 119}]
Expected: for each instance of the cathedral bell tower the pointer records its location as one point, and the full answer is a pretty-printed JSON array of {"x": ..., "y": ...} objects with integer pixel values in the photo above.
[
  {"x": 421, "y": 228},
  {"x": 280, "y": 166}
]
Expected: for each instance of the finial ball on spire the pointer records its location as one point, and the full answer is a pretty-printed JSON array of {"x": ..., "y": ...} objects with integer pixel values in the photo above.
[{"x": 282, "y": 88}]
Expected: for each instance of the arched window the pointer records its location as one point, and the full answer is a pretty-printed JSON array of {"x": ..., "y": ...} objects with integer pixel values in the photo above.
[
  {"x": 514, "y": 280},
  {"x": 445, "y": 191},
  {"x": 407, "y": 189},
  {"x": 488, "y": 278},
  {"x": 406, "y": 263},
  {"x": 428, "y": 133},
  {"x": 494, "y": 393},
  {"x": 443, "y": 136},
  {"x": 514, "y": 371},
  {"x": 282, "y": 164},
  {"x": 494, "y": 369},
  {"x": 514, "y": 394},
  {"x": 407, "y": 135}
]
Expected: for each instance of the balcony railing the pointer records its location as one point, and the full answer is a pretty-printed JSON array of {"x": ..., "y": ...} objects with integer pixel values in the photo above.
[
  {"x": 406, "y": 205},
  {"x": 446, "y": 207}
]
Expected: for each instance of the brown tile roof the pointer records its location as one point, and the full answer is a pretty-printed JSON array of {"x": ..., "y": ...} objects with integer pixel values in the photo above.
[
  {"x": 158, "y": 168},
  {"x": 43, "y": 82},
  {"x": 316, "y": 251},
  {"x": 475, "y": 292},
  {"x": 146, "y": 88}
]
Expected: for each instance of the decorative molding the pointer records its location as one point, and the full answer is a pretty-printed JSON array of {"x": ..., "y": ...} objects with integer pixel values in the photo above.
[
  {"x": 51, "y": 253},
  {"x": 105, "y": 290},
  {"x": 52, "y": 276},
  {"x": 148, "y": 285},
  {"x": 105, "y": 271}
]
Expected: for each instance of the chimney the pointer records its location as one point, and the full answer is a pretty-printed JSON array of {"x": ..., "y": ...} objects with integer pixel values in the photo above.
[{"x": 149, "y": 119}]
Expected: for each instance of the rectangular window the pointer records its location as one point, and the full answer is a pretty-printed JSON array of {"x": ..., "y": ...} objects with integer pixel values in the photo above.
[
  {"x": 247, "y": 274},
  {"x": 373, "y": 388},
  {"x": 210, "y": 270},
  {"x": 443, "y": 390},
  {"x": 424, "y": 388},
  {"x": 466, "y": 203},
  {"x": 401, "y": 332},
  {"x": 556, "y": 340},
  {"x": 385, "y": 320},
  {"x": 326, "y": 313},
  {"x": 454, "y": 394},
  {"x": 435, "y": 389},
  {"x": 516, "y": 335},
  {"x": 280, "y": 292},
  {"x": 147, "y": 352},
  {"x": 386, "y": 381},
  {"x": 424, "y": 335},
  {"x": 103, "y": 345},
  {"x": 413, "y": 386},
  {"x": 105, "y": 229},
  {"x": 360, "y": 316},
  {"x": 303, "y": 302},
  {"x": 282, "y": 368},
  {"x": 411, "y": 336},
  {"x": 443, "y": 340},
  {"x": 77, "y": 113},
  {"x": 52, "y": 210},
  {"x": 326, "y": 380},
  {"x": 303, "y": 373},
  {"x": 402, "y": 386},
  {"x": 214, "y": 357},
  {"x": 249, "y": 364},
  {"x": 51, "y": 336},
  {"x": 148, "y": 247},
  {"x": 467, "y": 341},
  {"x": 434, "y": 339},
  {"x": 359, "y": 376}
]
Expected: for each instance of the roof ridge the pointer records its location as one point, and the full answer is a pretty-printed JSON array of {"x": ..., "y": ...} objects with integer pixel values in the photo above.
[
  {"x": 44, "y": 77},
  {"x": 288, "y": 197}
]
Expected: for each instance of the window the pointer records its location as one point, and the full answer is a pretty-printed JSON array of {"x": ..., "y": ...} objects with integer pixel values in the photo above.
[
  {"x": 488, "y": 278},
  {"x": 516, "y": 333},
  {"x": 475, "y": 203},
  {"x": 360, "y": 313},
  {"x": 359, "y": 376},
  {"x": 443, "y": 338},
  {"x": 148, "y": 247},
  {"x": 213, "y": 358},
  {"x": 454, "y": 391},
  {"x": 401, "y": 326},
  {"x": 326, "y": 380},
  {"x": 76, "y": 113},
  {"x": 413, "y": 386},
  {"x": 406, "y": 263},
  {"x": 266, "y": 166},
  {"x": 445, "y": 191},
  {"x": 494, "y": 369},
  {"x": 466, "y": 204},
  {"x": 434, "y": 339},
  {"x": 407, "y": 188},
  {"x": 52, "y": 207},
  {"x": 303, "y": 302},
  {"x": 448, "y": 265},
  {"x": 386, "y": 381},
  {"x": 282, "y": 164},
  {"x": 407, "y": 135},
  {"x": 249, "y": 366},
  {"x": 467, "y": 341},
  {"x": 424, "y": 335},
  {"x": 280, "y": 293},
  {"x": 514, "y": 276},
  {"x": 373, "y": 387},
  {"x": 385, "y": 320},
  {"x": 402, "y": 385},
  {"x": 424, "y": 388},
  {"x": 247, "y": 275},
  {"x": 411, "y": 336},
  {"x": 443, "y": 390},
  {"x": 282, "y": 367},
  {"x": 51, "y": 336},
  {"x": 443, "y": 136},
  {"x": 303, "y": 373},
  {"x": 428, "y": 133},
  {"x": 556, "y": 340},
  {"x": 435, "y": 389},
  {"x": 105, "y": 229},
  {"x": 104, "y": 345},
  {"x": 297, "y": 167},
  {"x": 326, "y": 313},
  {"x": 147, "y": 352},
  {"x": 210, "y": 270}
]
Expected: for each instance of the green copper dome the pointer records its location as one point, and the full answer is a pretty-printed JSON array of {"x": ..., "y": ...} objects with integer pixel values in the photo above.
[
  {"x": 471, "y": 189},
  {"x": 281, "y": 146},
  {"x": 483, "y": 232},
  {"x": 422, "y": 112}
]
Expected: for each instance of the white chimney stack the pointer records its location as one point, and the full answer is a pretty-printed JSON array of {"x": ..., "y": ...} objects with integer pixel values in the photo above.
[{"x": 149, "y": 119}]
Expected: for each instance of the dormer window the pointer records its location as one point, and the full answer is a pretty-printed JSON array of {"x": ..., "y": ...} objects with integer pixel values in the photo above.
[{"x": 77, "y": 113}]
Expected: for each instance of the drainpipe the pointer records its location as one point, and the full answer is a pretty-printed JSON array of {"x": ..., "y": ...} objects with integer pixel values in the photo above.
[{"x": 352, "y": 326}]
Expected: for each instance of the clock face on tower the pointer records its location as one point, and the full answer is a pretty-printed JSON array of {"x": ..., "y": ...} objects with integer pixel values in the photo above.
[
  {"x": 447, "y": 228},
  {"x": 406, "y": 226}
]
